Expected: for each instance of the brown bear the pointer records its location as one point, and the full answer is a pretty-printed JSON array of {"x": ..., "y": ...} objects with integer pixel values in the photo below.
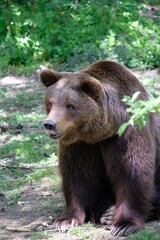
[{"x": 99, "y": 169}]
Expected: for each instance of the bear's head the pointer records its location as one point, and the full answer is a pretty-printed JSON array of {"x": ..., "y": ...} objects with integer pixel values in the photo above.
[{"x": 75, "y": 106}]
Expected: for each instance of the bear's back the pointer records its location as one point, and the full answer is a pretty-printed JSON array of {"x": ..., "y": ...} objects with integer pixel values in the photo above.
[{"x": 117, "y": 76}]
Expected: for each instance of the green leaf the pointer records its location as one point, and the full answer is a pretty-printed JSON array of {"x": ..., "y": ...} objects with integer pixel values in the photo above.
[
  {"x": 126, "y": 99},
  {"x": 140, "y": 124},
  {"x": 135, "y": 96},
  {"x": 122, "y": 128}
]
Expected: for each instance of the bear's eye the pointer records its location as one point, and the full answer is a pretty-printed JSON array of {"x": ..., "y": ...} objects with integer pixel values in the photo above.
[
  {"x": 50, "y": 104},
  {"x": 70, "y": 107}
]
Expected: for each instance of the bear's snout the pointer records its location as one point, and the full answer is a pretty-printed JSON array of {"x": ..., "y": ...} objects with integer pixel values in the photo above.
[{"x": 49, "y": 125}]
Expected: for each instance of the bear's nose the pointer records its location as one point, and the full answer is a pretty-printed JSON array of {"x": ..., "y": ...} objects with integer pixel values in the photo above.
[{"x": 49, "y": 125}]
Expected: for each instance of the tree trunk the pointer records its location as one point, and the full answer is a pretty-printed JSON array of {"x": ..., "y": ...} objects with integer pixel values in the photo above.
[
  {"x": 9, "y": 18},
  {"x": 76, "y": 4}
]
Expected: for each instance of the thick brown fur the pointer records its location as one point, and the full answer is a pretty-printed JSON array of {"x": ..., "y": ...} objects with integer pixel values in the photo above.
[{"x": 99, "y": 169}]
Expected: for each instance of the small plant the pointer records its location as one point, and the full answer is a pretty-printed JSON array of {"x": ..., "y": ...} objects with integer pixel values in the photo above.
[{"x": 139, "y": 111}]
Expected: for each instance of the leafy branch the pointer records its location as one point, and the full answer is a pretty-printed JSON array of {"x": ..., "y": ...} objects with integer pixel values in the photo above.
[{"x": 139, "y": 111}]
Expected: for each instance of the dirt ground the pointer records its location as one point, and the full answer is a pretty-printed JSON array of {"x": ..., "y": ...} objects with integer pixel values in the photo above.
[
  {"x": 28, "y": 214},
  {"x": 31, "y": 218}
]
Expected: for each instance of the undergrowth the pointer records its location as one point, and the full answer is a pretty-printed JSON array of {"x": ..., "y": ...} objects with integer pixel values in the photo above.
[{"x": 73, "y": 34}]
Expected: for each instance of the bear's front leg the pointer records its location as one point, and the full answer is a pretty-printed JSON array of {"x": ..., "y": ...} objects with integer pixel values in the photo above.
[
  {"x": 130, "y": 165},
  {"x": 121, "y": 220},
  {"x": 126, "y": 220},
  {"x": 72, "y": 217},
  {"x": 73, "y": 185},
  {"x": 83, "y": 179}
]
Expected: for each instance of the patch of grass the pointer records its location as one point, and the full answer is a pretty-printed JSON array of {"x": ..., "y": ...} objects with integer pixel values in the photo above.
[
  {"x": 57, "y": 204},
  {"x": 40, "y": 235},
  {"x": 9, "y": 178},
  {"x": 88, "y": 230},
  {"x": 39, "y": 174},
  {"x": 13, "y": 180},
  {"x": 145, "y": 234},
  {"x": 17, "y": 120},
  {"x": 57, "y": 185},
  {"x": 20, "y": 70},
  {"x": 24, "y": 98},
  {"x": 31, "y": 148},
  {"x": 26, "y": 149},
  {"x": 23, "y": 139}
]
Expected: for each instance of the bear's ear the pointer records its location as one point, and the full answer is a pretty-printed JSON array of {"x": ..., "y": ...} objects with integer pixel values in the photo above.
[
  {"x": 91, "y": 87},
  {"x": 48, "y": 77}
]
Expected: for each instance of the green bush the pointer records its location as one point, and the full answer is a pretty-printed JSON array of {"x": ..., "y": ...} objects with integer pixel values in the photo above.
[
  {"x": 139, "y": 111},
  {"x": 59, "y": 31}
]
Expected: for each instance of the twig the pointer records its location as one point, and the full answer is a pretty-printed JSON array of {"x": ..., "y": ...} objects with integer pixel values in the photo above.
[
  {"x": 7, "y": 163},
  {"x": 30, "y": 227},
  {"x": 20, "y": 229}
]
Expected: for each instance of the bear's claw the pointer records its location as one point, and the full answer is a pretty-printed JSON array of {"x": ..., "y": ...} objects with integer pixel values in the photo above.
[
  {"x": 63, "y": 225},
  {"x": 118, "y": 231}
]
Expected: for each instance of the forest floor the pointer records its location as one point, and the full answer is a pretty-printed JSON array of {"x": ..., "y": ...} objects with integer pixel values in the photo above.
[{"x": 30, "y": 186}]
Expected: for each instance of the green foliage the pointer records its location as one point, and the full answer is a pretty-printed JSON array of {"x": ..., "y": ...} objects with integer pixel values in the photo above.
[
  {"x": 146, "y": 234},
  {"x": 139, "y": 110},
  {"x": 60, "y": 31}
]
